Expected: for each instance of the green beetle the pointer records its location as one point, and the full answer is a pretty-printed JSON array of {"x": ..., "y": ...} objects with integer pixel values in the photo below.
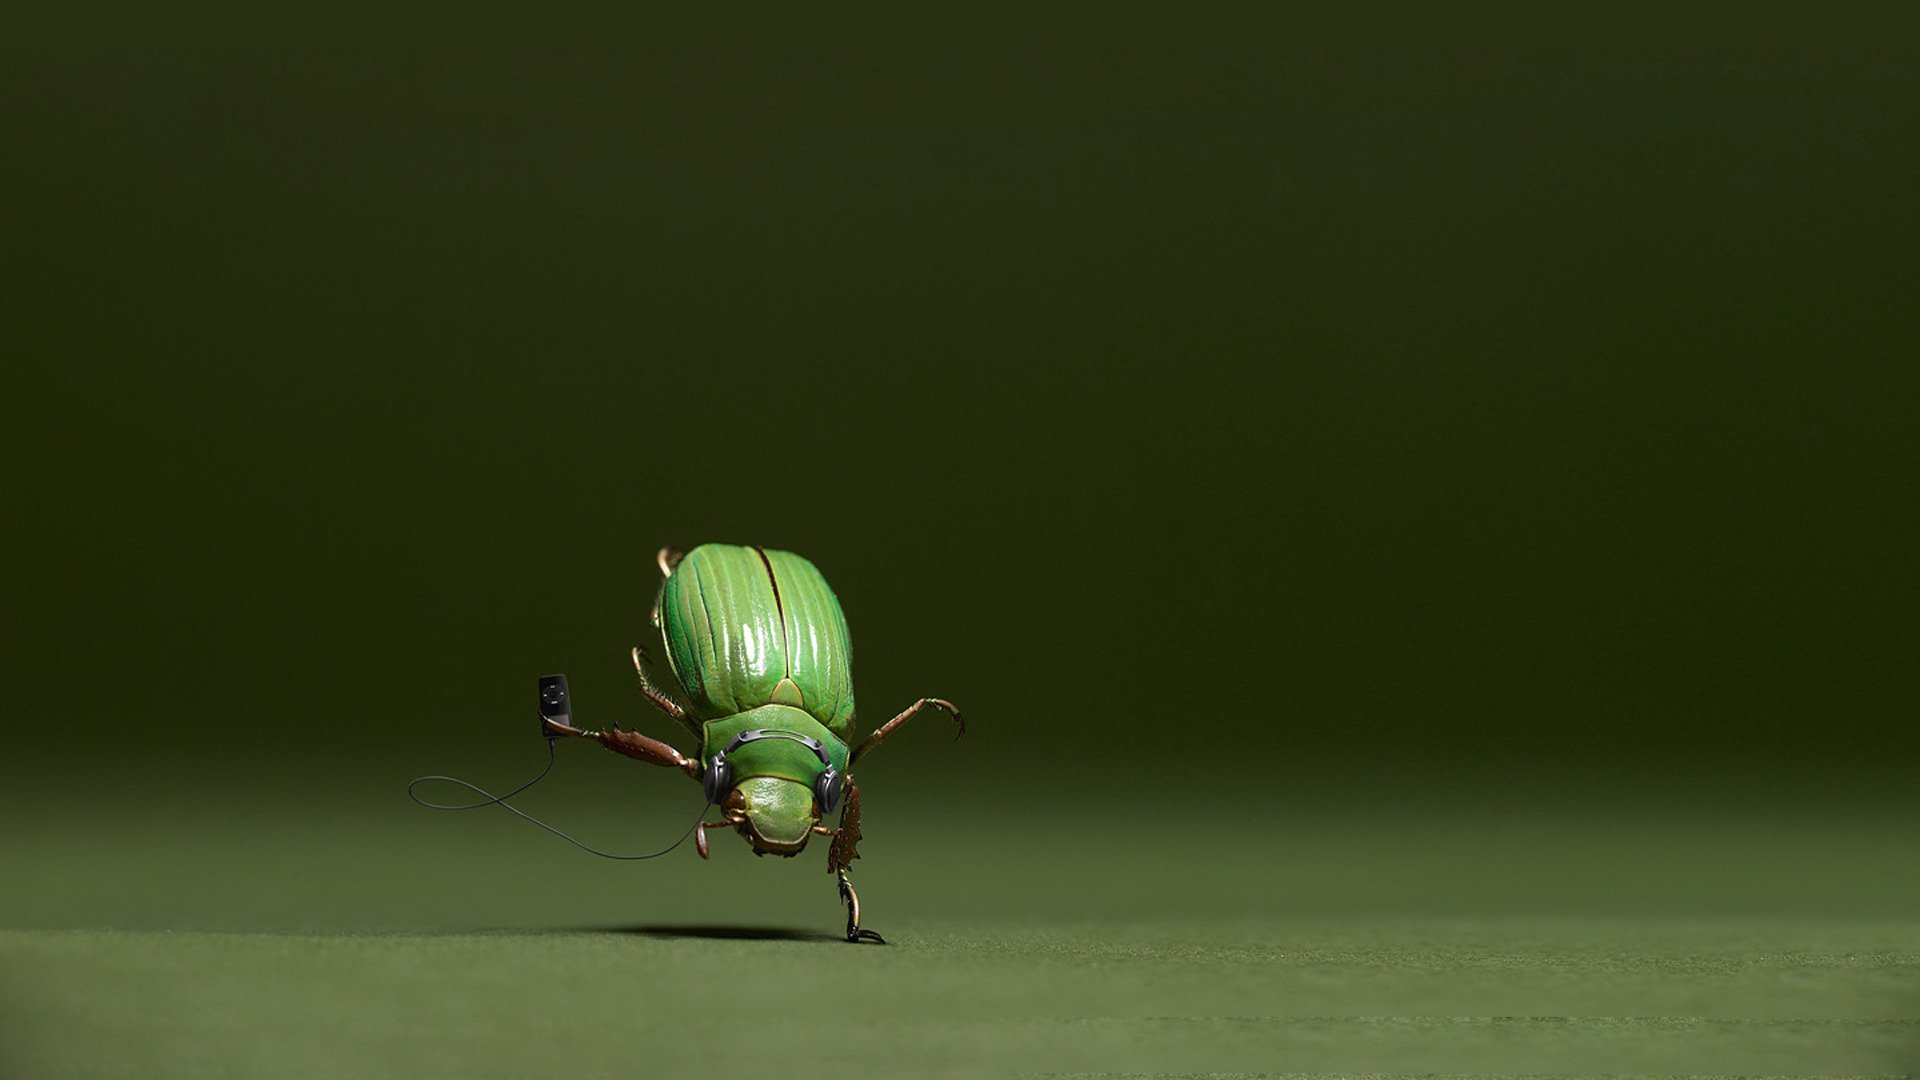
[{"x": 759, "y": 647}]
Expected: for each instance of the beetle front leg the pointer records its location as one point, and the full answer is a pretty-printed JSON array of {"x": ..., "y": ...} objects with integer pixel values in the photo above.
[
  {"x": 846, "y": 840},
  {"x": 880, "y": 733},
  {"x": 855, "y": 933}
]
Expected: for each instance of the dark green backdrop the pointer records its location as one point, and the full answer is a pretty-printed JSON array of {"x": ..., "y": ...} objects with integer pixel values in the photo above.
[{"x": 1541, "y": 424}]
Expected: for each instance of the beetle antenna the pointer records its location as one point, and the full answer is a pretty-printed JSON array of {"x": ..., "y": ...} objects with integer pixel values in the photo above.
[{"x": 501, "y": 801}]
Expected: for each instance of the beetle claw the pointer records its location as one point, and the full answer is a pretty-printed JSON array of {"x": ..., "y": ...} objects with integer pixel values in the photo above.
[{"x": 855, "y": 933}]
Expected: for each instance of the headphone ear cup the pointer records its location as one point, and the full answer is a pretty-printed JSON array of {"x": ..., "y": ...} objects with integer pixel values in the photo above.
[
  {"x": 827, "y": 789},
  {"x": 717, "y": 778}
]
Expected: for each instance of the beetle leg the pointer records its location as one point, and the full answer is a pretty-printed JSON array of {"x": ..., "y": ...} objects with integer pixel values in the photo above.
[
  {"x": 880, "y": 733},
  {"x": 846, "y": 839},
  {"x": 640, "y": 748},
  {"x": 668, "y": 557},
  {"x": 855, "y": 933},
  {"x": 842, "y": 852},
  {"x": 700, "y": 834},
  {"x": 661, "y": 699}
]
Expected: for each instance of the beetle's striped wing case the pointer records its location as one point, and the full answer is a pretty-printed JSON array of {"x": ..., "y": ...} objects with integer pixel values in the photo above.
[
  {"x": 820, "y": 651},
  {"x": 747, "y": 627}
]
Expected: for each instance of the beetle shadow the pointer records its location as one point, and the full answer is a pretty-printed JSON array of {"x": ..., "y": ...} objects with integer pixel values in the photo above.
[{"x": 717, "y": 932}]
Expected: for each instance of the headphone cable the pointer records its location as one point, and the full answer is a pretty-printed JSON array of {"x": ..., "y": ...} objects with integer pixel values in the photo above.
[{"x": 501, "y": 801}]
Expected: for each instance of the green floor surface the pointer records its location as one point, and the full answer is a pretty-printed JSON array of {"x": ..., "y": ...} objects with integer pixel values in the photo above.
[{"x": 1368, "y": 939}]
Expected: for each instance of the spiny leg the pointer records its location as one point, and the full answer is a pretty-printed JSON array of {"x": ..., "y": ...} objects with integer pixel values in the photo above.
[
  {"x": 846, "y": 840},
  {"x": 661, "y": 699},
  {"x": 880, "y": 733}
]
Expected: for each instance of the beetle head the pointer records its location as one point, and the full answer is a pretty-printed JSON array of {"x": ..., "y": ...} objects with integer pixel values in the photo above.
[{"x": 776, "y": 816}]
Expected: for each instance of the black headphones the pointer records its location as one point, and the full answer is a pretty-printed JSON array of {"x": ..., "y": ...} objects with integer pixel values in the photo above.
[{"x": 718, "y": 777}]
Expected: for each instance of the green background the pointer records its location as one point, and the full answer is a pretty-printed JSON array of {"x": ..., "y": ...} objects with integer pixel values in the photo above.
[{"x": 1417, "y": 544}]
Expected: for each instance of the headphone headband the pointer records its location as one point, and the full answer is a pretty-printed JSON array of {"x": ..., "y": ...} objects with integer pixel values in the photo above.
[
  {"x": 718, "y": 777},
  {"x": 756, "y": 734}
]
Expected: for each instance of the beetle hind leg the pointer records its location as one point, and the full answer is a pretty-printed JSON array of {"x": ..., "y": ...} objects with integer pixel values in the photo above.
[{"x": 661, "y": 699}]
